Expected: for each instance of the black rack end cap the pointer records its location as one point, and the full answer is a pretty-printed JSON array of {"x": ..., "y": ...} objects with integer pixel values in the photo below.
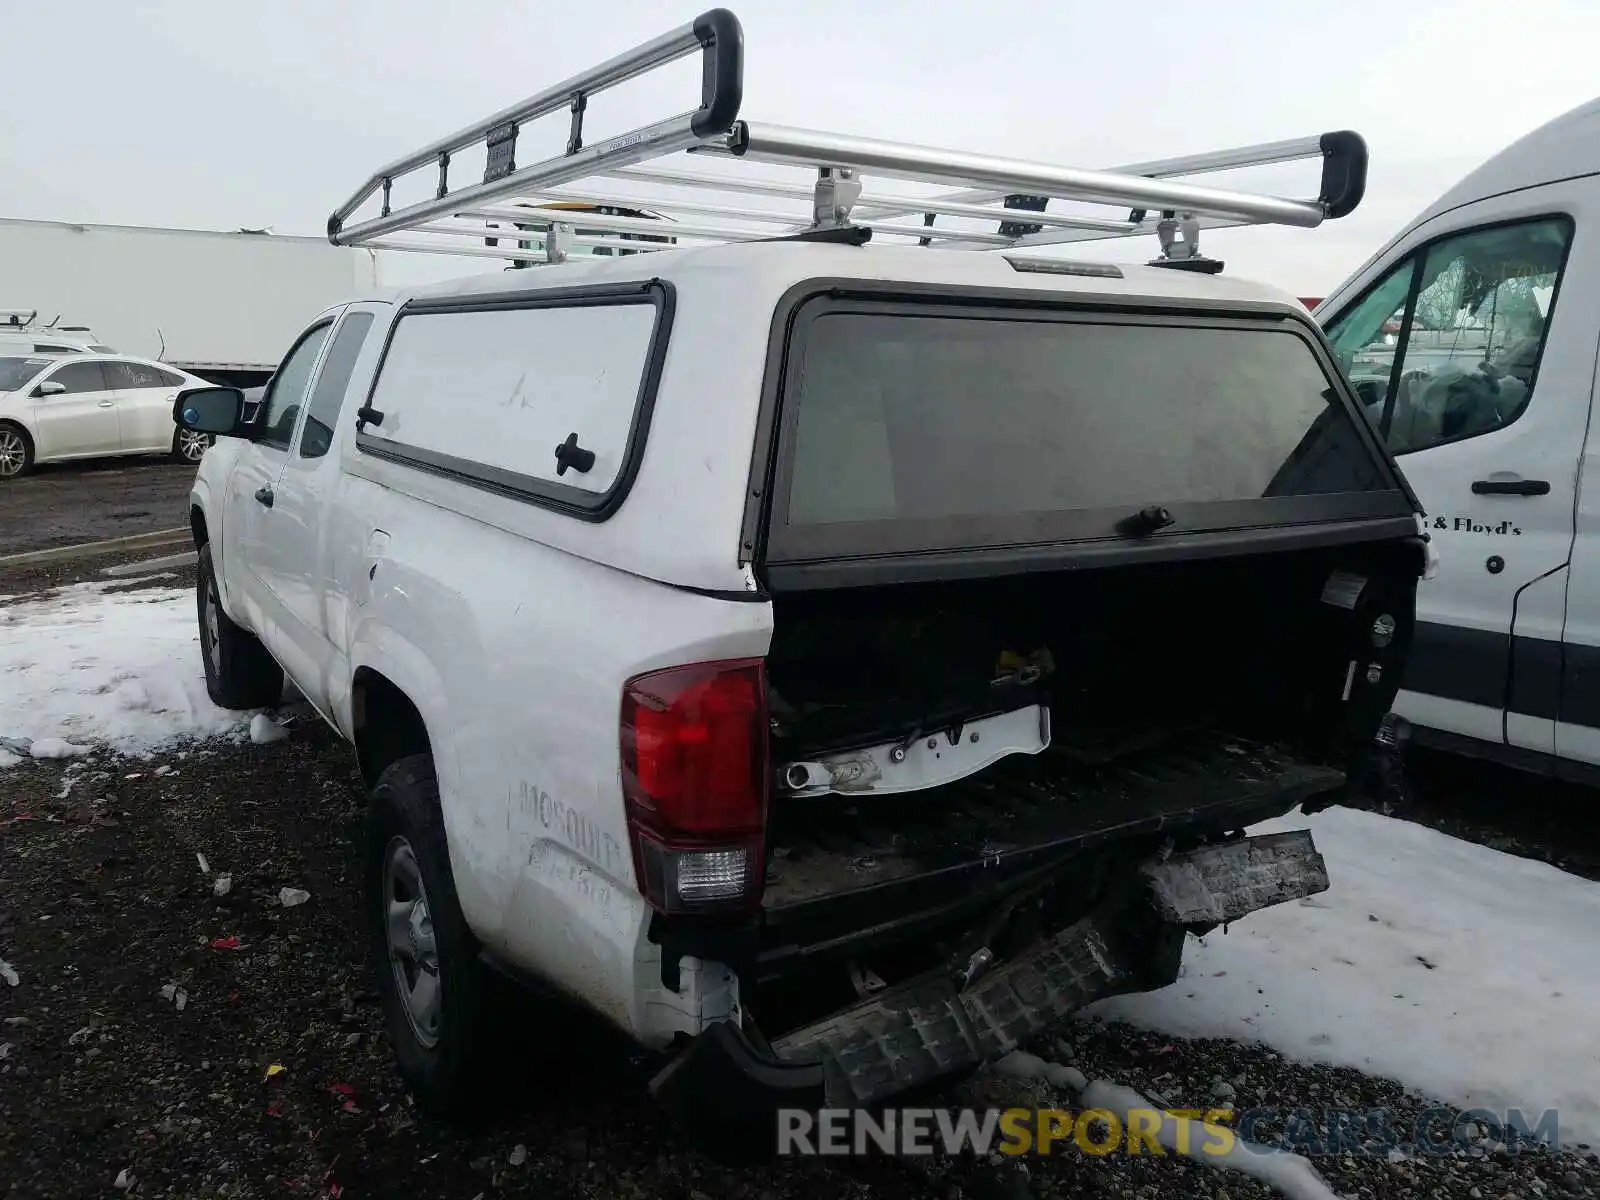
[
  {"x": 721, "y": 73},
  {"x": 1344, "y": 172}
]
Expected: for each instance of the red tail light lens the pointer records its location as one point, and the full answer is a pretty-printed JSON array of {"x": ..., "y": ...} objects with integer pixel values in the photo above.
[{"x": 694, "y": 772}]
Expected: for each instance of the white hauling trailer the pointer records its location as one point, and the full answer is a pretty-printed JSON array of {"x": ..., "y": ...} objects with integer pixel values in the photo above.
[{"x": 222, "y": 305}]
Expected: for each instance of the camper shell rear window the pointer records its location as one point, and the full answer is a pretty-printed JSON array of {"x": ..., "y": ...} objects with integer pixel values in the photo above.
[{"x": 917, "y": 426}]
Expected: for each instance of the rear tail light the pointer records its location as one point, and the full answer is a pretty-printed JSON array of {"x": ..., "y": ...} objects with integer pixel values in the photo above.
[{"x": 695, "y": 777}]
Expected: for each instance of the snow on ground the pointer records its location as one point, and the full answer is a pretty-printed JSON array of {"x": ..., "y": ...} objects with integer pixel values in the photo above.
[
  {"x": 86, "y": 667},
  {"x": 1463, "y": 972}
]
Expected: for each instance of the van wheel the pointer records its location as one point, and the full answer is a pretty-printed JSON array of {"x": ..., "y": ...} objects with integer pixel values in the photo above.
[
  {"x": 16, "y": 451},
  {"x": 239, "y": 671},
  {"x": 436, "y": 992},
  {"x": 190, "y": 446}
]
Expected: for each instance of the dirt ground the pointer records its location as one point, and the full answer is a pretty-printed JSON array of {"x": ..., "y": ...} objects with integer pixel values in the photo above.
[
  {"x": 61, "y": 504},
  {"x": 204, "y": 1045}
]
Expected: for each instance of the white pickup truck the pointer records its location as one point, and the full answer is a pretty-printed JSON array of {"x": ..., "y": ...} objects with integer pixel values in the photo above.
[{"x": 829, "y": 663}]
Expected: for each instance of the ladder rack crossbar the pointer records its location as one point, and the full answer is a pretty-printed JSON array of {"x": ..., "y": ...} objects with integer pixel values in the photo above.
[
  {"x": 645, "y": 225},
  {"x": 805, "y": 147},
  {"x": 867, "y": 204}
]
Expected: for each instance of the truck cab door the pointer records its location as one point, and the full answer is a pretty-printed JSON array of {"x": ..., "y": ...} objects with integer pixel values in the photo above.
[
  {"x": 251, "y": 494},
  {"x": 293, "y": 557},
  {"x": 1480, "y": 383}
]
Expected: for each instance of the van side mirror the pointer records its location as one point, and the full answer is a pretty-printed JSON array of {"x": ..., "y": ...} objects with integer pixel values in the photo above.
[
  {"x": 50, "y": 387},
  {"x": 214, "y": 410}
]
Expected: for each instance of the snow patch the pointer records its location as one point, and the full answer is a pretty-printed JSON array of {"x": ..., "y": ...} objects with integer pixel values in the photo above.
[
  {"x": 1290, "y": 1174},
  {"x": 54, "y": 747},
  {"x": 1410, "y": 967},
  {"x": 85, "y": 667},
  {"x": 264, "y": 730}
]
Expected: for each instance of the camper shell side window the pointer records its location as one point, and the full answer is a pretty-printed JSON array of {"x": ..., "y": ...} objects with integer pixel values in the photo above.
[{"x": 543, "y": 396}]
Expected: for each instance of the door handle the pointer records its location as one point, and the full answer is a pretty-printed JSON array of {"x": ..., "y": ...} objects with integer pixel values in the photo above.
[
  {"x": 107, "y": 403},
  {"x": 1510, "y": 487},
  {"x": 264, "y": 496}
]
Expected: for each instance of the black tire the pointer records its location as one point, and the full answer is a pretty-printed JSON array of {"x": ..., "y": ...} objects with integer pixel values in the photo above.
[
  {"x": 448, "y": 1061},
  {"x": 239, "y": 671},
  {"x": 16, "y": 450},
  {"x": 186, "y": 443}
]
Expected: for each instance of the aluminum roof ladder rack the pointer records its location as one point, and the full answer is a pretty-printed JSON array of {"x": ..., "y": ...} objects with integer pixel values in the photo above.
[{"x": 613, "y": 197}]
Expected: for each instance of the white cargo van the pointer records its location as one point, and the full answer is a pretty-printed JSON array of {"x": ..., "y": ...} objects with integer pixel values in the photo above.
[{"x": 1471, "y": 340}]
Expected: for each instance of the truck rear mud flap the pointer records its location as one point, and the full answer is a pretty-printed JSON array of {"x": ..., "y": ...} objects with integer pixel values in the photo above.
[{"x": 911, "y": 1037}]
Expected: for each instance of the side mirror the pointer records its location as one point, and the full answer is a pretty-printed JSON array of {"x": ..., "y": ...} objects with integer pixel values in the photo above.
[
  {"x": 214, "y": 410},
  {"x": 50, "y": 387}
]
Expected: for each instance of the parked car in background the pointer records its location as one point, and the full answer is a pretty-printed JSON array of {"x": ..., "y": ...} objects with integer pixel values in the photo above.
[{"x": 57, "y": 407}]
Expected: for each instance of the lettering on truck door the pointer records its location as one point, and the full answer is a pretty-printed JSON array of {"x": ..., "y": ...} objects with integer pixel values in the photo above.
[{"x": 1474, "y": 356}]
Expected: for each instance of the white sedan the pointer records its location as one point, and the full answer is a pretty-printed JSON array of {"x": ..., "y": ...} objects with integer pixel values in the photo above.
[{"x": 89, "y": 406}]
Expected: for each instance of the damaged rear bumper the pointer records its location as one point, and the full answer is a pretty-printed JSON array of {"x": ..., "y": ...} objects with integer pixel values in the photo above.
[{"x": 928, "y": 1030}]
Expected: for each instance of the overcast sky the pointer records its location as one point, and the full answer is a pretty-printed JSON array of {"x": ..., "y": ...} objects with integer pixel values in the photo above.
[{"x": 216, "y": 114}]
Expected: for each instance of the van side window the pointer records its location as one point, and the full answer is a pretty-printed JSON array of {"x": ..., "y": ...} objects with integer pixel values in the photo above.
[
  {"x": 1447, "y": 345},
  {"x": 316, "y": 435}
]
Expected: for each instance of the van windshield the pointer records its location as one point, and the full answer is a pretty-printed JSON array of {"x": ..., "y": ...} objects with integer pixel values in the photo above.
[{"x": 914, "y": 416}]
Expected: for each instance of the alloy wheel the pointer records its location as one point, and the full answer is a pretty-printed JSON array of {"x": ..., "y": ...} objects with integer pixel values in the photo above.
[
  {"x": 211, "y": 628},
  {"x": 13, "y": 453},
  {"x": 191, "y": 445},
  {"x": 413, "y": 950}
]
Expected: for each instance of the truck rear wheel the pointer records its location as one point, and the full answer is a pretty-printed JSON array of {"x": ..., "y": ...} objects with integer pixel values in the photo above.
[
  {"x": 436, "y": 993},
  {"x": 239, "y": 671}
]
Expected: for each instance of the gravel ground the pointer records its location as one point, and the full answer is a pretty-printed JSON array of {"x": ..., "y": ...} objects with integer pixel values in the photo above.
[
  {"x": 19, "y": 583},
  {"x": 60, "y": 504},
  {"x": 1557, "y": 823},
  {"x": 108, "y": 919}
]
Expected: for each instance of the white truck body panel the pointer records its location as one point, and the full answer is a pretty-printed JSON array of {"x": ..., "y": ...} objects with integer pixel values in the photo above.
[
  {"x": 514, "y": 627},
  {"x": 194, "y": 298}
]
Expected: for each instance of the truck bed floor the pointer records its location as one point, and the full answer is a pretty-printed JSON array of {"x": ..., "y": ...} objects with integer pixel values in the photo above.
[{"x": 1023, "y": 810}]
